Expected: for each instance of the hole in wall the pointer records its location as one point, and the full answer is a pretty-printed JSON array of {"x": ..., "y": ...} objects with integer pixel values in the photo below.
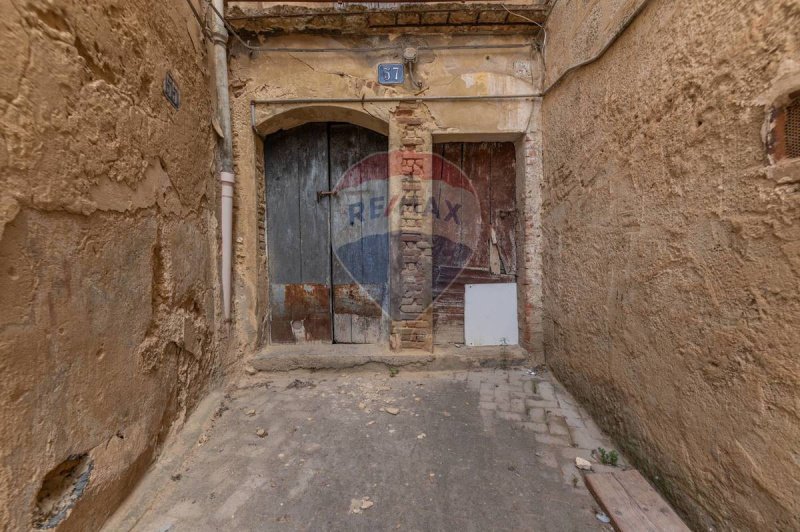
[{"x": 61, "y": 489}]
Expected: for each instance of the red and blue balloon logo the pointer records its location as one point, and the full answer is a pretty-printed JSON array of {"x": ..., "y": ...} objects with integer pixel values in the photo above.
[{"x": 433, "y": 206}]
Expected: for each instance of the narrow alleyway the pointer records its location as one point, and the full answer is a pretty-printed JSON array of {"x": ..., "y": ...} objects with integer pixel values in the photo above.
[
  {"x": 489, "y": 449},
  {"x": 222, "y": 222}
]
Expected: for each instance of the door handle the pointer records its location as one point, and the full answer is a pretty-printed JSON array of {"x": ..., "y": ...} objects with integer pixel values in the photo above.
[{"x": 323, "y": 193}]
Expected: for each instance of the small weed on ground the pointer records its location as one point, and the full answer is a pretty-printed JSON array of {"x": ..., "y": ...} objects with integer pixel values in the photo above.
[
  {"x": 393, "y": 371},
  {"x": 608, "y": 457}
]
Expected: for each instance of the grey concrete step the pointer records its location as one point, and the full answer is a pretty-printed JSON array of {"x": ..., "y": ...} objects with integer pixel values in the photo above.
[{"x": 344, "y": 356}]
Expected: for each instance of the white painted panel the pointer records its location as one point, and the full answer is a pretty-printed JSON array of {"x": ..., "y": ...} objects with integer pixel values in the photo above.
[{"x": 490, "y": 314}]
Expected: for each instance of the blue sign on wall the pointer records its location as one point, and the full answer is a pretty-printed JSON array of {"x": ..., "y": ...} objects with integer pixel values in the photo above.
[
  {"x": 171, "y": 91},
  {"x": 391, "y": 74}
]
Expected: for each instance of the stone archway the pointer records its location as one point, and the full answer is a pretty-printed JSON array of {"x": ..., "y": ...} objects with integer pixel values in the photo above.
[{"x": 275, "y": 120}]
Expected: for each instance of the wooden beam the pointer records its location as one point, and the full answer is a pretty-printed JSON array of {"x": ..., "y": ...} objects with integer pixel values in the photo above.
[{"x": 632, "y": 503}]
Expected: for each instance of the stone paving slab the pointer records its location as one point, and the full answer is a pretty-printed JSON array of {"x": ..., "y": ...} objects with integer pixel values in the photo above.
[{"x": 489, "y": 449}]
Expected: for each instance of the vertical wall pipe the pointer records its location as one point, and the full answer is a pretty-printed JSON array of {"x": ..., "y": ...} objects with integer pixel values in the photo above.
[{"x": 226, "y": 175}]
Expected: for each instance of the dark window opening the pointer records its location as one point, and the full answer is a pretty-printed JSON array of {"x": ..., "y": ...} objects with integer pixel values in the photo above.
[
  {"x": 783, "y": 141},
  {"x": 792, "y": 128}
]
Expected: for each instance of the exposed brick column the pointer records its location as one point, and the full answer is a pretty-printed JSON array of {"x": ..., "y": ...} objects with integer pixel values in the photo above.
[
  {"x": 410, "y": 168},
  {"x": 529, "y": 259}
]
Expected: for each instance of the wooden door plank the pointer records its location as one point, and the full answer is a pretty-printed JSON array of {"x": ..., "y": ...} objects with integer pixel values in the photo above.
[
  {"x": 361, "y": 305},
  {"x": 449, "y": 175},
  {"x": 343, "y": 328},
  {"x": 657, "y": 510},
  {"x": 367, "y": 328},
  {"x": 375, "y": 249},
  {"x": 503, "y": 203},
  {"x": 347, "y": 265},
  {"x": 312, "y": 172},
  {"x": 297, "y": 235},
  {"x": 373, "y": 330},
  {"x": 448, "y": 303},
  {"x": 477, "y": 167},
  {"x": 437, "y": 166},
  {"x": 625, "y": 514},
  {"x": 283, "y": 208},
  {"x": 360, "y": 236},
  {"x": 347, "y": 245}
]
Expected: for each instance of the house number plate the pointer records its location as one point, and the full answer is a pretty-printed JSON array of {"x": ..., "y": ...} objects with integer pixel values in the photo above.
[{"x": 390, "y": 73}]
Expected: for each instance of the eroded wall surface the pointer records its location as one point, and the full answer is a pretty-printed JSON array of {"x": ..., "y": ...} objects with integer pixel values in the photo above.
[
  {"x": 672, "y": 247},
  {"x": 107, "y": 224}
]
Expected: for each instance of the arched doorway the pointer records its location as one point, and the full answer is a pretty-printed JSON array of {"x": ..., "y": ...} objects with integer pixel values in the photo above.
[{"x": 327, "y": 233}]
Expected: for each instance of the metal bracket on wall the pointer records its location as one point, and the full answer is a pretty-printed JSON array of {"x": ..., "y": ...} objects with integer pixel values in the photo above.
[{"x": 326, "y": 193}]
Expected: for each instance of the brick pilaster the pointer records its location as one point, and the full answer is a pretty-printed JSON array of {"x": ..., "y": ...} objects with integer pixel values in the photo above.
[{"x": 411, "y": 168}]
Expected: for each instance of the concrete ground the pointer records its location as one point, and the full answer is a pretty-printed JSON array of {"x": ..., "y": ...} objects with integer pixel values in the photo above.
[{"x": 489, "y": 449}]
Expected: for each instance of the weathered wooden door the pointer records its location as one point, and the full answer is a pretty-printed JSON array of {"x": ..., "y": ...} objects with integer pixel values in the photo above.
[
  {"x": 327, "y": 260},
  {"x": 485, "y": 250},
  {"x": 360, "y": 233},
  {"x": 298, "y": 234}
]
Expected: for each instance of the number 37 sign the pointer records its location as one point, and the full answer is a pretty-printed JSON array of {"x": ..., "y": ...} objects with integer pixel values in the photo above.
[{"x": 390, "y": 73}]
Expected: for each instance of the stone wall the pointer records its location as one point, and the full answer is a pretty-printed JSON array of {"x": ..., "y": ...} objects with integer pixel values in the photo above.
[
  {"x": 107, "y": 247},
  {"x": 672, "y": 247}
]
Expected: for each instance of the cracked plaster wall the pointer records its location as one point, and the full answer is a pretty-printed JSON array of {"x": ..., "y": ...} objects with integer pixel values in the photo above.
[
  {"x": 107, "y": 243},
  {"x": 672, "y": 248}
]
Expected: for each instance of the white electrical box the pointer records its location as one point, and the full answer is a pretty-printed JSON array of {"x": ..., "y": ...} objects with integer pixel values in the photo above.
[{"x": 490, "y": 314}]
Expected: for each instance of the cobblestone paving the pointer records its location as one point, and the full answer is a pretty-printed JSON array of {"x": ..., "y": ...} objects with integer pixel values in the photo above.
[
  {"x": 541, "y": 405},
  {"x": 467, "y": 450}
]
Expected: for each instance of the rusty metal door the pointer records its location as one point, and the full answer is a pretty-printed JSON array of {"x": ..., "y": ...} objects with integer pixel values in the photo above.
[{"x": 327, "y": 266}]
